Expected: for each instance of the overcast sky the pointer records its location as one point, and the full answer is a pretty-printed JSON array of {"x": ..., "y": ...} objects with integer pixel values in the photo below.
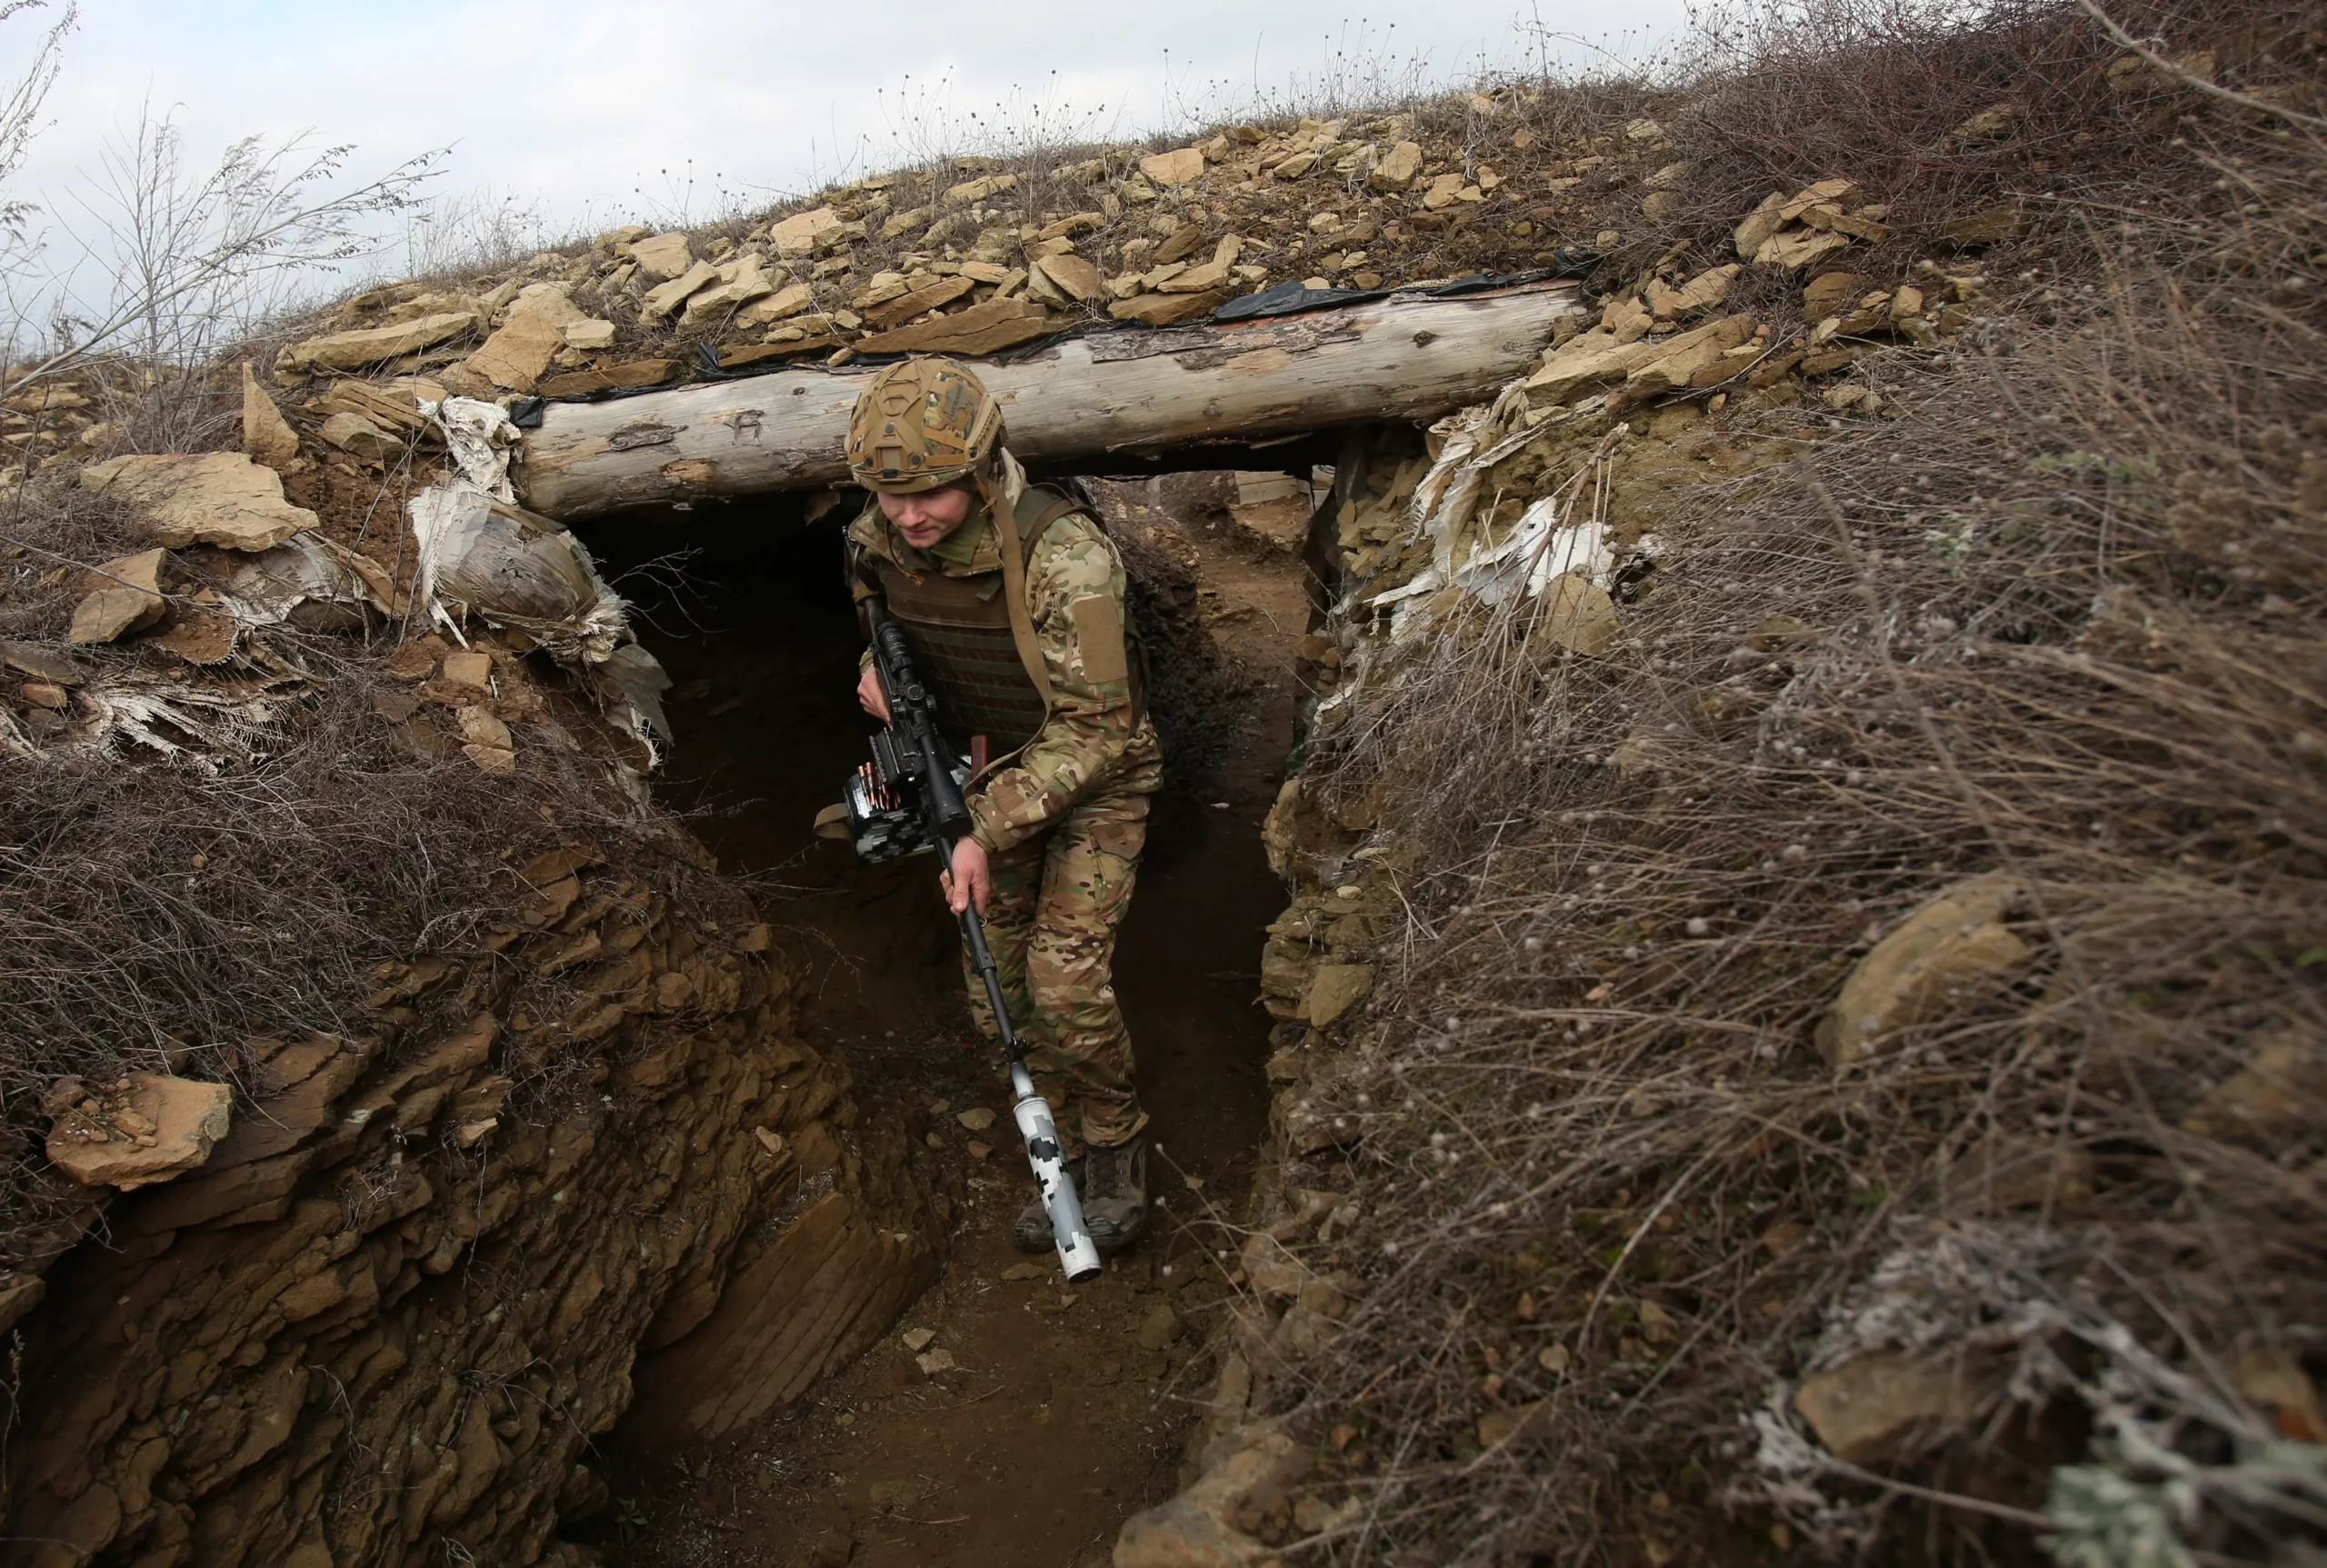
[{"x": 594, "y": 112}]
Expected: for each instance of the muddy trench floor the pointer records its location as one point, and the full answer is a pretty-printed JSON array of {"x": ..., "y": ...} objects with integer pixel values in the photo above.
[{"x": 1065, "y": 1410}]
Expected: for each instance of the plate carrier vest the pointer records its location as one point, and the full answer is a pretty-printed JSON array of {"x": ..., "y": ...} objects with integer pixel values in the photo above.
[{"x": 959, "y": 630}]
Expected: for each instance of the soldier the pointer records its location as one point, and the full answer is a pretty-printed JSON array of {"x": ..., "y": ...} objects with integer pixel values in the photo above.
[{"x": 1011, "y": 597}]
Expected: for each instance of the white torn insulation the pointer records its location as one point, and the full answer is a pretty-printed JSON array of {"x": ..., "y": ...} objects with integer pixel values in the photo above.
[
  {"x": 480, "y": 554},
  {"x": 482, "y": 440},
  {"x": 309, "y": 580},
  {"x": 495, "y": 560}
]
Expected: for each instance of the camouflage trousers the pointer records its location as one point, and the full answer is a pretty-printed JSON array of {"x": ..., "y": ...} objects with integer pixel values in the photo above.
[{"x": 1057, "y": 901}]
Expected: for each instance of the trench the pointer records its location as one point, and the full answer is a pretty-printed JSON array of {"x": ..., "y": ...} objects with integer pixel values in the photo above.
[{"x": 1064, "y": 1411}]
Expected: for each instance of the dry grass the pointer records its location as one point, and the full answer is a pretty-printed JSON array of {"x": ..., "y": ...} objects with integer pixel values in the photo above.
[
  {"x": 2056, "y": 615},
  {"x": 157, "y": 912}
]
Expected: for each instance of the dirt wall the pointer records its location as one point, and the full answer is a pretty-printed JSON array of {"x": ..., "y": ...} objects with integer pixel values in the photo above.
[{"x": 384, "y": 1321}]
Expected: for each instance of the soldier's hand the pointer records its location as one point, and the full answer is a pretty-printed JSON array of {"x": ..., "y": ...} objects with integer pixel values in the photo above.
[
  {"x": 869, "y": 695},
  {"x": 971, "y": 878}
]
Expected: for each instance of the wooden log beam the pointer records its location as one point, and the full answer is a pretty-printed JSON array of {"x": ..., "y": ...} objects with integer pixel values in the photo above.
[{"x": 1121, "y": 396}]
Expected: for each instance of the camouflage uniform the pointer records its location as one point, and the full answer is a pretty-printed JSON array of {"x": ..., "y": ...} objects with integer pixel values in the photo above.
[{"x": 1063, "y": 819}]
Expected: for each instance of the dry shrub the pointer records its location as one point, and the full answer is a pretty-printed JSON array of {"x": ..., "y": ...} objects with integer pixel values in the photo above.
[
  {"x": 1941, "y": 110},
  {"x": 2056, "y": 617},
  {"x": 156, "y": 912},
  {"x": 52, "y": 533}
]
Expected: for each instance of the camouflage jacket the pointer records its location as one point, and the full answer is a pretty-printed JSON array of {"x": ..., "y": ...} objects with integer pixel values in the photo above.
[{"x": 1094, "y": 741}]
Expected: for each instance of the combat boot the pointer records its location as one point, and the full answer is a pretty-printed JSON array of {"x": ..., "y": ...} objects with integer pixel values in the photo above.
[
  {"x": 1114, "y": 1188},
  {"x": 1033, "y": 1232}
]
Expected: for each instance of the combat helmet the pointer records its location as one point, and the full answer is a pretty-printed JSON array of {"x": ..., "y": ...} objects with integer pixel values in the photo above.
[{"x": 921, "y": 424}]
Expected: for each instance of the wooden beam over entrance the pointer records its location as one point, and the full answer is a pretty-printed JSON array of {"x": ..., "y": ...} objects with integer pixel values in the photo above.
[{"x": 1112, "y": 402}]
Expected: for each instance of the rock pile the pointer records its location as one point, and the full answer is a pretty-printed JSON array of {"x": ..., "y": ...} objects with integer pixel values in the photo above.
[{"x": 975, "y": 265}]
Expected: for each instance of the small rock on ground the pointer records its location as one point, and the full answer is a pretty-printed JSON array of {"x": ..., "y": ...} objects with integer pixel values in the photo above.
[{"x": 1159, "y": 1328}]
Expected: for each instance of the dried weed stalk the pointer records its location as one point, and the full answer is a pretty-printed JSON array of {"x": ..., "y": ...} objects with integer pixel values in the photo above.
[{"x": 2055, "y": 616}]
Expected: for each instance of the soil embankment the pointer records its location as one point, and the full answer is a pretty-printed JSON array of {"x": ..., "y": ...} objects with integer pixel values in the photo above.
[{"x": 403, "y": 1298}]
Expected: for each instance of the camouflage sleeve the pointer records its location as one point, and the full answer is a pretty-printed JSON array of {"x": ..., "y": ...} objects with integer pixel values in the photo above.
[{"x": 1075, "y": 589}]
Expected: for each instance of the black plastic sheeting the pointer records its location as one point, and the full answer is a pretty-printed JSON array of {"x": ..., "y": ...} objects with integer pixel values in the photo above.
[
  {"x": 1288, "y": 298},
  {"x": 1292, "y": 298}
]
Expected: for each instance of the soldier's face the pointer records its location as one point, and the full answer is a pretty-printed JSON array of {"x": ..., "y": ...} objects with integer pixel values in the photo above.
[{"x": 928, "y": 518}]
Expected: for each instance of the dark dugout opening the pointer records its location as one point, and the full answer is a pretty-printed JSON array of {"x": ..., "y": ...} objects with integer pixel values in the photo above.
[{"x": 746, "y": 607}]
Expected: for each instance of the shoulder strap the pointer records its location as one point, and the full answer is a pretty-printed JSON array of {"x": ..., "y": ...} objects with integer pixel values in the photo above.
[{"x": 1037, "y": 511}]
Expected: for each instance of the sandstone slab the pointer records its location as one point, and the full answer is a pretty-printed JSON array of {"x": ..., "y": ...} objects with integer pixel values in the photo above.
[
  {"x": 358, "y": 437},
  {"x": 1074, "y": 276},
  {"x": 1578, "y": 616},
  {"x": 1333, "y": 990},
  {"x": 220, "y": 498},
  {"x": 1588, "y": 359},
  {"x": 1988, "y": 226},
  {"x": 1798, "y": 248},
  {"x": 1699, "y": 295},
  {"x": 517, "y": 355},
  {"x": 665, "y": 298},
  {"x": 917, "y": 302},
  {"x": 998, "y": 323},
  {"x": 788, "y": 301},
  {"x": 629, "y": 373},
  {"x": 1677, "y": 361},
  {"x": 267, "y": 436},
  {"x": 126, "y": 597},
  {"x": 736, "y": 284},
  {"x": 797, "y": 234},
  {"x": 662, "y": 255},
  {"x": 590, "y": 335},
  {"x": 1165, "y": 309},
  {"x": 370, "y": 345},
  {"x": 159, "y": 1128},
  {"x": 392, "y": 405},
  {"x": 26, "y": 658},
  {"x": 979, "y": 189},
  {"x": 1956, "y": 944},
  {"x": 2279, "y": 1092},
  {"x": 1827, "y": 292},
  {"x": 1397, "y": 167},
  {"x": 1174, "y": 168},
  {"x": 1759, "y": 224},
  {"x": 1878, "y": 1407},
  {"x": 1198, "y": 1528}
]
